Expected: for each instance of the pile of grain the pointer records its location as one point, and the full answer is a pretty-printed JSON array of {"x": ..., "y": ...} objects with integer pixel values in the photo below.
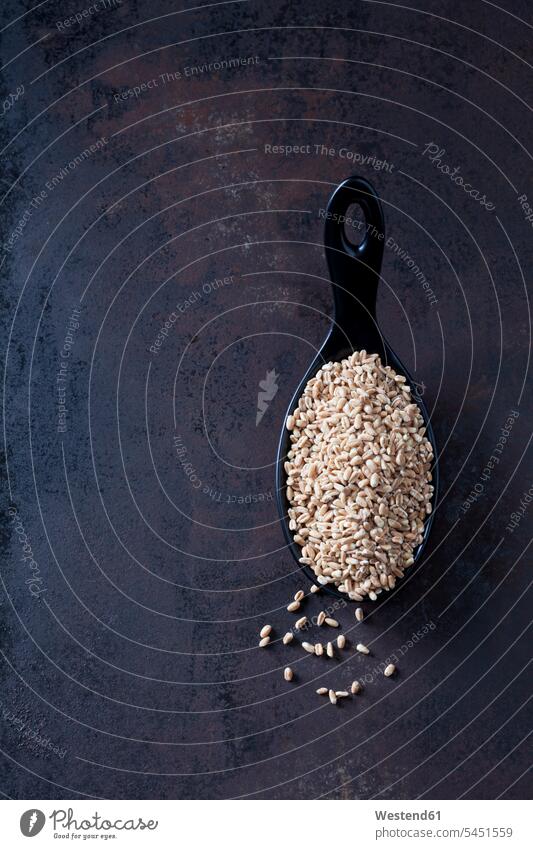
[{"x": 358, "y": 475}]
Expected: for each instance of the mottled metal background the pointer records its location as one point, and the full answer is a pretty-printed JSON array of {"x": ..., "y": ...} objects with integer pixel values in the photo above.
[{"x": 142, "y": 549}]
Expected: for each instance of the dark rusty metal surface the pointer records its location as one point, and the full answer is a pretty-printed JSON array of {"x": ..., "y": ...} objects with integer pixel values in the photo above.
[{"x": 142, "y": 550}]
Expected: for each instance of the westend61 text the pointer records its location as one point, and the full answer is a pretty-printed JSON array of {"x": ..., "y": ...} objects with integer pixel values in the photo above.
[{"x": 407, "y": 815}]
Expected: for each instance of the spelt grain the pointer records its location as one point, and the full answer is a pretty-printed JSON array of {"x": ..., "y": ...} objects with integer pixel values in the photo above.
[{"x": 359, "y": 473}]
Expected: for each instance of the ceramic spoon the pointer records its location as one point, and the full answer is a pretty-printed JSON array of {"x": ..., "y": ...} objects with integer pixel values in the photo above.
[{"x": 355, "y": 274}]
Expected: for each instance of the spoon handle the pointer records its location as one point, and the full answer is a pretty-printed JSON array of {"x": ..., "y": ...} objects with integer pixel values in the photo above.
[{"x": 354, "y": 269}]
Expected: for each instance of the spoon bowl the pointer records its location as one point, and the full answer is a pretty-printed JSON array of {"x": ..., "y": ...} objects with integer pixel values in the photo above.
[{"x": 355, "y": 274}]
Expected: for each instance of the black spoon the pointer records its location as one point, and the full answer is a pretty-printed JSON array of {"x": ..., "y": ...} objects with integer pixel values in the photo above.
[{"x": 355, "y": 274}]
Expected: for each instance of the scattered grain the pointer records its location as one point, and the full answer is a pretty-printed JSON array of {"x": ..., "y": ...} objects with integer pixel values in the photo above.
[
  {"x": 265, "y": 630},
  {"x": 288, "y": 673},
  {"x": 389, "y": 670},
  {"x": 362, "y": 648}
]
